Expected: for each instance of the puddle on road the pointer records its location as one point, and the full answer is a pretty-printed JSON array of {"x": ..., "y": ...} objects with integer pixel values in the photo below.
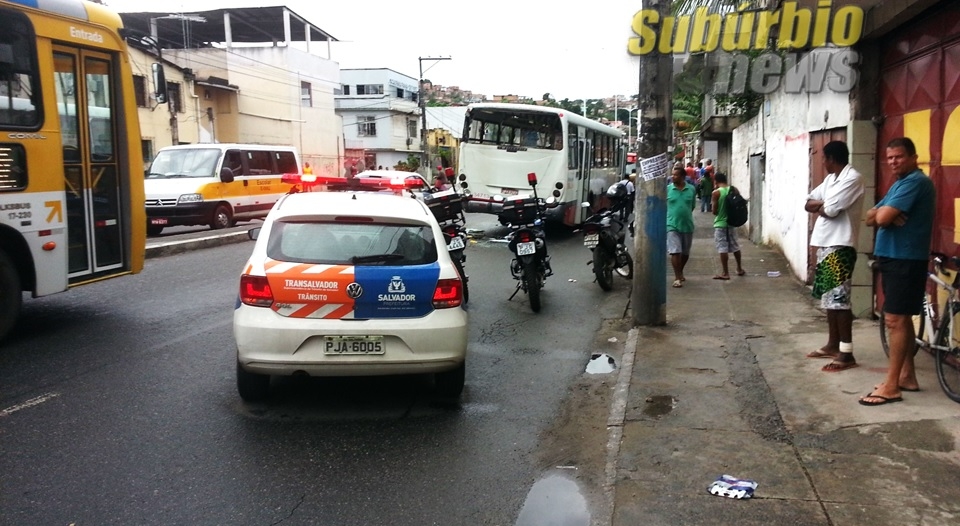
[
  {"x": 555, "y": 501},
  {"x": 601, "y": 364},
  {"x": 658, "y": 406}
]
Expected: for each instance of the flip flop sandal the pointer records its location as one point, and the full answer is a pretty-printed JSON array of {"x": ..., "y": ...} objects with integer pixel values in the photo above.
[
  {"x": 883, "y": 400},
  {"x": 834, "y": 367},
  {"x": 820, "y": 353},
  {"x": 677, "y": 283}
]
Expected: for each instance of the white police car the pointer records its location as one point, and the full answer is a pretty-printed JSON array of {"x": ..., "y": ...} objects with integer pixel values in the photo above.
[{"x": 344, "y": 283}]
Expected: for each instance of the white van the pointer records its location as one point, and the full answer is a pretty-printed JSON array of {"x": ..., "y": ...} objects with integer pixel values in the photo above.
[{"x": 215, "y": 184}]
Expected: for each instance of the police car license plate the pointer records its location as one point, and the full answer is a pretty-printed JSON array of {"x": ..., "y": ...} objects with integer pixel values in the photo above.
[
  {"x": 591, "y": 240},
  {"x": 456, "y": 243},
  {"x": 353, "y": 345},
  {"x": 526, "y": 249}
]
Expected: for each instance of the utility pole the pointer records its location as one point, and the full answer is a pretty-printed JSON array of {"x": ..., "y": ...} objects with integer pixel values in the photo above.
[
  {"x": 424, "y": 169},
  {"x": 649, "y": 301}
]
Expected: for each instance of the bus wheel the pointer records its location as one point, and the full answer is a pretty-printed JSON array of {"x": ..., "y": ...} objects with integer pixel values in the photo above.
[
  {"x": 222, "y": 218},
  {"x": 11, "y": 296}
]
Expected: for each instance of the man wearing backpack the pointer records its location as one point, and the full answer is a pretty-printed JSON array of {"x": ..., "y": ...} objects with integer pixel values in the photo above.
[
  {"x": 724, "y": 235},
  {"x": 837, "y": 202}
]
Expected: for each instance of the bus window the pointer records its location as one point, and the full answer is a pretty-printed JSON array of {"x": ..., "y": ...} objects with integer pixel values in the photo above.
[
  {"x": 18, "y": 72},
  {"x": 98, "y": 109},
  {"x": 573, "y": 152}
]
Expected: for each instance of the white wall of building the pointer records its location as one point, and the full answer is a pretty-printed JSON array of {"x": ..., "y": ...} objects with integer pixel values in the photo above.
[{"x": 782, "y": 132}]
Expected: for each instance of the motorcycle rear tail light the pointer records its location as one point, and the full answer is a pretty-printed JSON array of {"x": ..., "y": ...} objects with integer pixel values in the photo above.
[
  {"x": 591, "y": 228},
  {"x": 255, "y": 291},
  {"x": 448, "y": 294},
  {"x": 524, "y": 237}
]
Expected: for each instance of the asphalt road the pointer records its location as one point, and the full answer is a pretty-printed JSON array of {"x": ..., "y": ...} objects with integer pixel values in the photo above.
[{"x": 118, "y": 406}]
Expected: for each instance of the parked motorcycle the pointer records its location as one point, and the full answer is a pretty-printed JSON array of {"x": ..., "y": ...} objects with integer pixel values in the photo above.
[
  {"x": 528, "y": 242},
  {"x": 447, "y": 207},
  {"x": 604, "y": 233}
]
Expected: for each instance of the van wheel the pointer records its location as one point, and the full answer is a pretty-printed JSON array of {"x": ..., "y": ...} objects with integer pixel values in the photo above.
[
  {"x": 11, "y": 297},
  {"x": 222, "y": 218}
]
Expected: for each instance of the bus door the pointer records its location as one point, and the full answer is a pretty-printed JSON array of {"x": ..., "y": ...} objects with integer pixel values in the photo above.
[
  {"x": 86, "y": 95},
  {"x": 585, "y": 156}
]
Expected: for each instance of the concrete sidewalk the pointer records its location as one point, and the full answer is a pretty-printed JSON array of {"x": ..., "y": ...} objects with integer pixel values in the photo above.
[{"x": 725, "y": 388}]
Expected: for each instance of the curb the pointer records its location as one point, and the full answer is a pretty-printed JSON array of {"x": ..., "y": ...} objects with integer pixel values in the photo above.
[{"x": 179, "y": 247}]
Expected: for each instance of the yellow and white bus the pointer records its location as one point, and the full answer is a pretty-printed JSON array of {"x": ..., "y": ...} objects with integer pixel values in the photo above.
[
  {"x": 575, "y": 158},
  {"x": 71, "y": 169}
]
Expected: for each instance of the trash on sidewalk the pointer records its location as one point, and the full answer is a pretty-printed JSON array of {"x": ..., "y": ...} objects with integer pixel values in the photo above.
[
  {"x": 612, "y": 339},
  {"x": 601, "y": 364},
  {"x": 732, "y": 487},
  {"x": 773, "y": 274}
]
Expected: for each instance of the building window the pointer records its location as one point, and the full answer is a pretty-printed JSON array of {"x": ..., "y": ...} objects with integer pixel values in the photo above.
[
  {"x": 173, "y": 97},
  {"x": 146, "y": 147},
  {"x": 346, "y": 89},
  {"x": 369, "y": 89},
  {"x": 140, "y": 90},
  {"x": 366, "y": 126},
  {"x": 306, "y": 95},
  {"x": 399, "y": 93},
  {"x": 411, "y": 128}
]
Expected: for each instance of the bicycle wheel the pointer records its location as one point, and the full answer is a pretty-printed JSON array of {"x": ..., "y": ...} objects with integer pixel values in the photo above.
[
  {"x": 948, "y": 359},
  {"x": 921, "y": 328}
]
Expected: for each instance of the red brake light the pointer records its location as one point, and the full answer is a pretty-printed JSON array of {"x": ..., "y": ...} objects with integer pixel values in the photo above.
[
  {"x": 525, "y": 237},
  {"x": 255, "y": 291},
  {"x": 448, "y": 294},
  {"x": 450, "y": 231}
]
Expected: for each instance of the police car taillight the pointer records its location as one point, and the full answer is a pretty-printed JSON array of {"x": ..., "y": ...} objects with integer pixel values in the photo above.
[
  {"x": 255, "y": 291},
  {"x": 448, "y": 294}
]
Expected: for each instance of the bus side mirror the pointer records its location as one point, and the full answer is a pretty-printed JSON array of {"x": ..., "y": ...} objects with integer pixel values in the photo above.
[
  {"x": 159, "y": 83},
  {"x": 226, "y": 175}
]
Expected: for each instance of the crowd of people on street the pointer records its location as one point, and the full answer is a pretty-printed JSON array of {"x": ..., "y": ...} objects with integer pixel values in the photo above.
[{"x": 904, "y": 222}]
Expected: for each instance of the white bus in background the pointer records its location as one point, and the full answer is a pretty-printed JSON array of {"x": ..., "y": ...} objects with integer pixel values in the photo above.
[{"x": 575, "y": 159}]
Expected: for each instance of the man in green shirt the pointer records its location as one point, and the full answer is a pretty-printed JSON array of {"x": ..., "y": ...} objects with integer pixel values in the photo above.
[
  {"x": 724, "y": 235},
  {"x": 681, "y": 200}
]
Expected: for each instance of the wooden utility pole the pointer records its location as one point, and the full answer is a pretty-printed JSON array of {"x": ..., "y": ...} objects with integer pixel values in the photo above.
[{"x": 649, "y": 301}]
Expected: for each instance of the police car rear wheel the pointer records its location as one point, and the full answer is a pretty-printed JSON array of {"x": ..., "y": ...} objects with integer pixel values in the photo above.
[
  {"x": 252, "y": 387},
  {"x": 449, "y": 384}
]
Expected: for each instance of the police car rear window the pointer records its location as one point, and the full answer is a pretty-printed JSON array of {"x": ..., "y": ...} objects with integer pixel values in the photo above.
[{"x": 366, "y": 244}]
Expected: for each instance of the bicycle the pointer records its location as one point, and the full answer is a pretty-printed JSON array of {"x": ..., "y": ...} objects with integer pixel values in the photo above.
[{"x": 940, "y": 339}]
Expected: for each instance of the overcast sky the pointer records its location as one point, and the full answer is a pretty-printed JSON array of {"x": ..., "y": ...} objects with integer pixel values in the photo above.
[{"x": 497, "y": 47}]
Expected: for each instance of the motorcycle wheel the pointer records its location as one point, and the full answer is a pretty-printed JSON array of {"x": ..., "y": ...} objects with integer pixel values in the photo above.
[
  {"x": 463, "y": 279},
  {"x": 601, "y": 269},
  {"x": 532, "y": 283},
  {"x": 626, "y": 270}
]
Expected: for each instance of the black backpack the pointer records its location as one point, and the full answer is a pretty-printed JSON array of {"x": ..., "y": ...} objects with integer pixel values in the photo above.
[{"x": 736, "y": 208}]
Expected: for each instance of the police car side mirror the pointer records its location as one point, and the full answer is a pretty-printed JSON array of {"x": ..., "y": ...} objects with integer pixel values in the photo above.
[
  {"x": 226, "y": 175},
  {"x": 253, "y": 233}
]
